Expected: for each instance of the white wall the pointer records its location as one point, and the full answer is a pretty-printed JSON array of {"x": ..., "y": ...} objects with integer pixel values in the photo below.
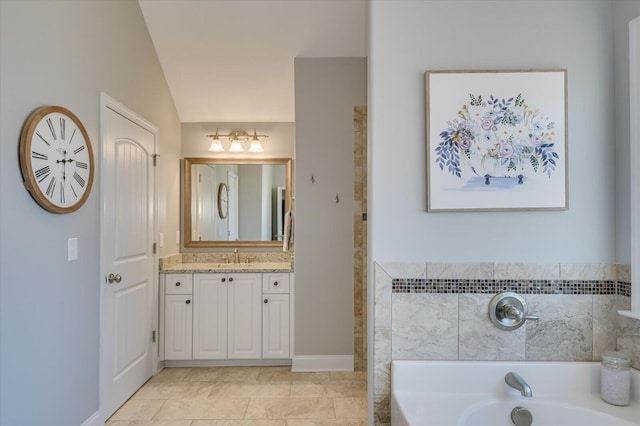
[
  {"x": 408, "y": 38},
  {"x": 624, "y": 11},
  {"x": 327, "y": 90},
  {"x": 66, "y": 53}
]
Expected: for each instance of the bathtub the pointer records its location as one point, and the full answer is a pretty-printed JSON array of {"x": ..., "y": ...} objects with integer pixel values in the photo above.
[{"x": 473, "y": 393}]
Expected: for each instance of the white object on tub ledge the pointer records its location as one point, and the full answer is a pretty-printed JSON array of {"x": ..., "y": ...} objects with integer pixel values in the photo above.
[{"x": 474, "y": 393}]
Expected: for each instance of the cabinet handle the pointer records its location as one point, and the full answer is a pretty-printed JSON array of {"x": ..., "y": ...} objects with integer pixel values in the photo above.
[
  {"x": 275, "y": 284},
  {"x": 230, "y": 279},
  {"x": 188, "y": 301},
  {"x": 266, "y": 300},
  {"x": 178, "y": 284},
  {"x": 224, "y": 279}
]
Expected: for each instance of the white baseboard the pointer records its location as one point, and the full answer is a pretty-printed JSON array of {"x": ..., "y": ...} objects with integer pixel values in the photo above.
[
  {"x": 94, "y": 420},
  {"x": 227, "y": 362},
  {"x": 301, "y": 363}
]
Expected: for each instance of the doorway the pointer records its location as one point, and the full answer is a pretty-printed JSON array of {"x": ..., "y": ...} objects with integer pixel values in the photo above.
[
  {"x": 360, "y": 239},
  {"x": 128, "y": 351}
]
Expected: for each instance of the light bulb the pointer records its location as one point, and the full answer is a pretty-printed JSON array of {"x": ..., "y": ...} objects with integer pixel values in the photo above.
[
  {"x": 236, "y": 146},
  {"x": 216, "y": 146},
  {"x": 256, "y": 146}
]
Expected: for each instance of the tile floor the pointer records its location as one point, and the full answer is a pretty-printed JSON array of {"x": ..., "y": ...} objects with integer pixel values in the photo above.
[{"x": 262, "y": 396}]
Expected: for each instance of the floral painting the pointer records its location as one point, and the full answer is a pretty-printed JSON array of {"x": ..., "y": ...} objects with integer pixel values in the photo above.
[{"x": 496, "y": 140}]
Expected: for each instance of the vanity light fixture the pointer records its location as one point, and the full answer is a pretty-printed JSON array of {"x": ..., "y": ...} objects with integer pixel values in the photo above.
[
  {"x": 216, "y": 144},
  {"x": 237, "y": 138},
  {"x": 255, "y": 143}
]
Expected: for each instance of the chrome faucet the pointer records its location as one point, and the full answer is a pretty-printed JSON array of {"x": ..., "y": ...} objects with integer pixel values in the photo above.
[
  {"x": 517, "y": 382},
  {"x": 236, "y": 256}
]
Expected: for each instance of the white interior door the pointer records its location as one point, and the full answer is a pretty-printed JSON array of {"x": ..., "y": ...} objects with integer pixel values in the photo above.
[
  {"x": 128, "y": 262},
  {"x": 232, "y": 183},
  {"x": 207, "y": 193}
]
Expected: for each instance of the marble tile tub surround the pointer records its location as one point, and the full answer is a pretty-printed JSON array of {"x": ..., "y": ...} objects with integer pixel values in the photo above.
[
  {"x": 439, "y": 311},
  {"x": 176, "y": 259}
]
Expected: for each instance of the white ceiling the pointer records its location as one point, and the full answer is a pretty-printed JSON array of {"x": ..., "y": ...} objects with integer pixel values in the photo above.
[{"x": 232, "y": 60}]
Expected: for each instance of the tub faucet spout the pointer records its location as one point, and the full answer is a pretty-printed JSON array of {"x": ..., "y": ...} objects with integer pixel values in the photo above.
[{"x": 517, "y": 382}]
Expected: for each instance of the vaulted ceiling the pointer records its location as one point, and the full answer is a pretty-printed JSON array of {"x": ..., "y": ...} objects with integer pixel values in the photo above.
[{"x": 233, "y": 60}]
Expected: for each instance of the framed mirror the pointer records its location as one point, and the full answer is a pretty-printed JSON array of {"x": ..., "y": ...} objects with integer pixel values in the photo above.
[{"x": 235, "y": 202}]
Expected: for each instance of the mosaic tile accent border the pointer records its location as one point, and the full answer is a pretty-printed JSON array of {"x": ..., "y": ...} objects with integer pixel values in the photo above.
[{"x": 472, "y": 286}]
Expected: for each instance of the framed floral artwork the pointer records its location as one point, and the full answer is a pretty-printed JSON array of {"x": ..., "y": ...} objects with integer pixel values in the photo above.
[{"x": 496, "y": 140}]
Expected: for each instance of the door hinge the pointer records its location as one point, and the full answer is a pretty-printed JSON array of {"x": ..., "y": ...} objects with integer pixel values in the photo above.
[
  {"x": 153, "y": 336},
  {"x": 155, "y": 248},
  {"x": 364, "y": 217},
  {"x": 155, "y": 159}
]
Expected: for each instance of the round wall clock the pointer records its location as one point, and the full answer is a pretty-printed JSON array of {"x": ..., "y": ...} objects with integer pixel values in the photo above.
[
  {"x": 56, "y": 159},
  {"x": 223, "y": 200}
]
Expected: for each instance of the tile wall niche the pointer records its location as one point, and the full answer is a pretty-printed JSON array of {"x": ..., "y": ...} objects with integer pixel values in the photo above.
[{"x": 439, "y": 311}]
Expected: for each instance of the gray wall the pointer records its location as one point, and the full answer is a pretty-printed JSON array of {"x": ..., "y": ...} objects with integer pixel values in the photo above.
[
  {"x": 408, "y": 38},
  {"x": 65, "y": 53},
  {"x": 250, "y": 202},
  {"x": 624, "y": 11},
  {"x": 327, "y": 90}
]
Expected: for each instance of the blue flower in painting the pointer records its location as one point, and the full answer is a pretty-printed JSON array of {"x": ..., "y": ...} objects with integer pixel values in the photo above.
[{"x": 498, "y": 137}]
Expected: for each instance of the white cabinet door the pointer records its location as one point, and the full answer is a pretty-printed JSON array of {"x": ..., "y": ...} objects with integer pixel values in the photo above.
[
  {"x": 245, "y": 316},
  {"x": 178, "y": 327},
  {"x": 210, "y": 316},
  {"x": 275, "y": 326}
]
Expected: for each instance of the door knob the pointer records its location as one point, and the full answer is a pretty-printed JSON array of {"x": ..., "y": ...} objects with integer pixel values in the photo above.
[
  {"x": 266, "y": 300},
  {"x": 114, "y": 278},
  {"x": 188, "y": 302}
]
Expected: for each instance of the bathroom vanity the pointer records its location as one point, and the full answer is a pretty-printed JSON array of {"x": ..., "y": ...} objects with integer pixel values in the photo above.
[{"x": 224, "y": 314}]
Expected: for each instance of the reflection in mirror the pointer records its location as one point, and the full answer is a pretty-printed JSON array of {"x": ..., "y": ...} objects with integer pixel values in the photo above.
[{"x": 235, "y": 202}]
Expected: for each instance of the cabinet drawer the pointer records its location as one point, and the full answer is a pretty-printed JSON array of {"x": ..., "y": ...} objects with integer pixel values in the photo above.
[
  {"x": 275, "y": 282},
  {"x": 178, "y": 284}
]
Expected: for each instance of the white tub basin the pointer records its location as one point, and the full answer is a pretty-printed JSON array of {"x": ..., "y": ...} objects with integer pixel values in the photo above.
[{"x": 465, "y": 393}]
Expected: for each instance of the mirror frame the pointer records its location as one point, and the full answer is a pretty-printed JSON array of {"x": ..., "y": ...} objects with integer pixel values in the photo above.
[{"x": 186, "y": 206}]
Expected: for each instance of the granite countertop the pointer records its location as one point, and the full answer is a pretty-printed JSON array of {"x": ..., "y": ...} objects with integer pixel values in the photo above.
[{"x": 229, "y": 267}]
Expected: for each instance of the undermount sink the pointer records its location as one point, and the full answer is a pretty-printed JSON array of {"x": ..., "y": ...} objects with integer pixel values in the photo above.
[
  {"x": 227, "y": 267},
  {"x": 244, "y": 265}
]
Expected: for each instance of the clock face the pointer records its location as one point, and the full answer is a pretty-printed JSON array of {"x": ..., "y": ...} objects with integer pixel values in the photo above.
[
  {"x": 56, "y": 159},
  {"x": 223, "y": 200}
]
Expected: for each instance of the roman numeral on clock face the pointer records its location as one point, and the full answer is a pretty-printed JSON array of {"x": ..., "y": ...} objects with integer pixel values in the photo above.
[
  {"x": 39, "y": 156},
  {"x": 79, "y": 179},
  {"x": 62, "y": 127},
  {"x": 81, "y": 165},
  {"x": 52, "y": 187},
  {"x": 72, "y": 135},
  {"x": 41, "y": 174},
  {"x": 53, "y": 132},
  {"x": 77, "y": 150},
  {"x": 43, "y": 139},
  {"x": 62, "y": 194}
]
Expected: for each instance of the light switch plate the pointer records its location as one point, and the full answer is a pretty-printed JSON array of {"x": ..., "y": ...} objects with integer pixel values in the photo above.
[
  {"x": 161, "y": 239},
  {"x": 177, "y": 237},
  {"x": 72, "y": 249}
]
